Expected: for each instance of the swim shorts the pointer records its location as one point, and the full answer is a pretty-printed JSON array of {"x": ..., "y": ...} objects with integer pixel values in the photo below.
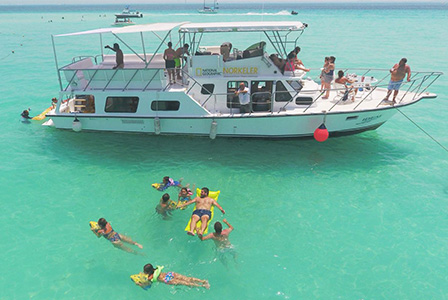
[
  {"x": 177, "y": 62},
  {"x": 114, "y": 238},
  {"x": 201, "y": 212},
  {"x": 170, "y": 64},
  {"x": 394, "y": 85}
]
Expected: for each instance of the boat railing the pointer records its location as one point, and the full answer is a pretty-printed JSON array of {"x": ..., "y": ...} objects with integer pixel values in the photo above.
[
  {"x": 419, "y": 83},
  {"x": 118, "y": 79}
]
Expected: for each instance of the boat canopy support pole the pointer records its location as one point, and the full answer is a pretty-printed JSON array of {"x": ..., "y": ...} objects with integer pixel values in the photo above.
[
  {"x": 143, "y": 45},
  {"x": 158, "y": 48},
  {"x": 101, "y": 47},
  {"x": 56, "y": 62}
]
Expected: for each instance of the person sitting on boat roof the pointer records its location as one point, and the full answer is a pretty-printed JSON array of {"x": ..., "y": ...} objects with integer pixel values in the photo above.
[
  {"x": 244, "y": 98},
  {"x": 290, "y": 63},
  {"x": 181, "y": 54},
  {"x": 297, "y": 62},
  {"x": 278, "y": 62},
  {"x": 119, "y": 59}
]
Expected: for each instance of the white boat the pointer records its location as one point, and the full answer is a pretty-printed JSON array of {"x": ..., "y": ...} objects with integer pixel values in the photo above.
[
  {"x": 209, "y": 9},
  {"x": 139, "y": 97},
  {"x": 124, "y": 18}
]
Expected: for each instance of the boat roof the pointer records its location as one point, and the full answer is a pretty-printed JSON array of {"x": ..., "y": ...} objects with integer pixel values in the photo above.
[
  {"x": 242, "y": 26},
  {"x": 136, "y": 28}
]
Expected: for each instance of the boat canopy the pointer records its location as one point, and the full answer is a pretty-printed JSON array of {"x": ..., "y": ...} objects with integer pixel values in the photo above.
[
  {"x": 242, "y": 27},
  {"x": 136, "y": 28}
]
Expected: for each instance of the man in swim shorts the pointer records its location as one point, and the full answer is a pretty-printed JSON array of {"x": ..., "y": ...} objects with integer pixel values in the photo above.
[
  {"x": 114, "y": 237},
  {"x": 180, "y": 55},
  {"x": 203, "y": 206},
  {"x": 397, "y": 74},
  {"x": 172, "y": 278}
]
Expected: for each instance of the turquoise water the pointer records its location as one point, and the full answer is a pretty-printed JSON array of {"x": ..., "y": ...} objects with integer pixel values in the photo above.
[{"x": 357, "y": 217}]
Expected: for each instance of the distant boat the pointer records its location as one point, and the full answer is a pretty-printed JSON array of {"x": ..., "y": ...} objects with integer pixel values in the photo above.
[
  {"x": 124, "y": 18},
  {"x": 209, "y": 9},
  {"x": 294, "y": 12}
]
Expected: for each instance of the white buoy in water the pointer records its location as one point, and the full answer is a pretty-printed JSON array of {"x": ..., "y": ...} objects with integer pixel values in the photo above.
[
  {"x": 213, "y": 129},
  {"x": 157, "y": 125},
  {"x": 76, "y": 125}
]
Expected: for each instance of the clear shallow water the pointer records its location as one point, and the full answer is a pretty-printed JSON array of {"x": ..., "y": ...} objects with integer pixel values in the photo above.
[{"x": 358, "y": 217}]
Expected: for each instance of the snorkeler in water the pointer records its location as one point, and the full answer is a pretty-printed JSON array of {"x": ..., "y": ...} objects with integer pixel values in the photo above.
[
  {"x": 114, "y": 237},
  {"x": 156, "y": 274}
]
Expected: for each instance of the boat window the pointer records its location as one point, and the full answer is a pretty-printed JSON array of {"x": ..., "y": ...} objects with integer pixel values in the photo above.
[
  {"x": 304, "y": 100},
  {"x": 121, "y": 104},
  {"x": 261, "y": 95},
  {"x": 165, "y": 105},
  {"x": 295, "y": 84},
  {"x": 207, "y": 89},
  {"x": 281, "y": 93},
  {"x": 232, "y": 99},
  {"x": 85, "y": 103}
]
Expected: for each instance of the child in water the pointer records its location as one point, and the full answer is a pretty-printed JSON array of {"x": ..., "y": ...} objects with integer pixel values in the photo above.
[
  {"x": 166, "y": 205},
  {"x": 184, "y": 196},
  {"x": 166, "y": 183}
]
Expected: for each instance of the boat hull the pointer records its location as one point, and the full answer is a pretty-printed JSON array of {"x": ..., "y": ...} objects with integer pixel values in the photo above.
[{"x": 267, "y": 126}]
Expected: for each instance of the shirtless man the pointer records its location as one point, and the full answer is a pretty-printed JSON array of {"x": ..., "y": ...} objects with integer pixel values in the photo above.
[
  {"x": 118, "y": 56},
  {"x": 203, "y": 206},
  {"x": 181, "y": 55},
  {"x": 220, "y": 237},
  {"x": 397, "y": 74}
]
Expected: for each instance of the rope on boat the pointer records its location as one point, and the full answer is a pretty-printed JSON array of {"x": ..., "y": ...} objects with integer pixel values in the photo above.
[{"x": 443, "y": 147}]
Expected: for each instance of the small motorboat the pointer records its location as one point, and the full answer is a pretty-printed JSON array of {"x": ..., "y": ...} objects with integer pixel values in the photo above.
[{"x": 294, "y": 12}]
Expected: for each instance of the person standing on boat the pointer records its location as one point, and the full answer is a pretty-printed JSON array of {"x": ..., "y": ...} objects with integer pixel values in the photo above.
[
  {"x": 327, "y": 75},
  {"x": 397, "y": 74},
  {"x": 180, "y": 55},
  {"x": 169, "y": 55},
  {"x": 119, "y": 58},
  {"x": 244, "y": 98}
]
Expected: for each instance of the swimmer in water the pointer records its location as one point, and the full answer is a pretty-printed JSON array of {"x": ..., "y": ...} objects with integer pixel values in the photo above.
[
  {"x": 156, "y": 274},
  {"x": 166, "y": 205},
  {"x": 222, "y": 243},
  {"x": 114, "y": 237}
]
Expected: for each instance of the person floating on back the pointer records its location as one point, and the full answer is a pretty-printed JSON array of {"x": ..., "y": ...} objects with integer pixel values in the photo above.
[
  {"x": 152, "y": 274},
  {"x": 203, "y": 211},
  {"x": 397, "y": 74},
  {"x": 119, "y": 59},
  {"x": 114, "y": 237}
]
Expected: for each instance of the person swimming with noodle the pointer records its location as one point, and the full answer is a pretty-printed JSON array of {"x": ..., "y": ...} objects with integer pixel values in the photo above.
[
  {"x": 114, "y": 237},
  {"x": 171, "y": 278}
]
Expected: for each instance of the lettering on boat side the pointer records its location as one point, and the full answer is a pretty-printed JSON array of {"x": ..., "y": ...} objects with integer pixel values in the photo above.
[
  {"x": 233, "y": 71},
  {"x": 240, "y": 71},
  {"x": 369, "y": 119},
  {"x": 207, "y": 72}
]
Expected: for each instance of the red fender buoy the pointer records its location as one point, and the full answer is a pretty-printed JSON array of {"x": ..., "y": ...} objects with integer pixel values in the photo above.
[{"x": 321, "y": 133}]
